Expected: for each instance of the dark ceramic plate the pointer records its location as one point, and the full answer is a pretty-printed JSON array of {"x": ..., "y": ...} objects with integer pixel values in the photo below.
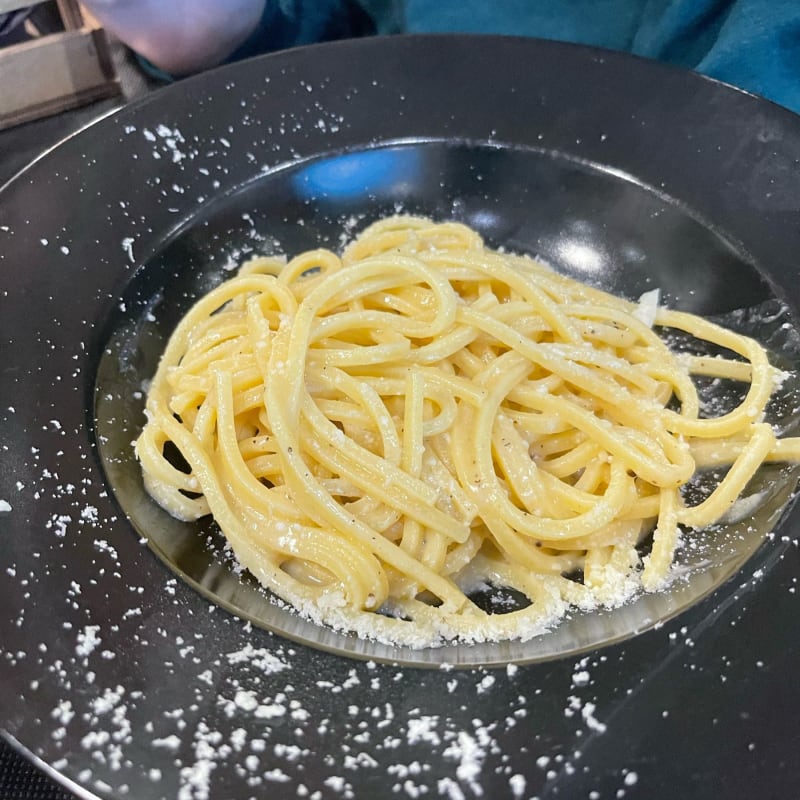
[{"x": 128, "y": 674}]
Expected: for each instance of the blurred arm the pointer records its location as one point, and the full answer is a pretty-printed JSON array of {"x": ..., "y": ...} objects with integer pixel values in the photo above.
[{"x": 180, "y": 36}]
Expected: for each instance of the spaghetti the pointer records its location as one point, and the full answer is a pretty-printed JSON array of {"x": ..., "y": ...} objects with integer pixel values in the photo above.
[{"x": 378, "y": 433}]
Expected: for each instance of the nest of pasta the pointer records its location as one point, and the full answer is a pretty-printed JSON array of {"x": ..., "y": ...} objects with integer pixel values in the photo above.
[{"x": 381, "y": 433}]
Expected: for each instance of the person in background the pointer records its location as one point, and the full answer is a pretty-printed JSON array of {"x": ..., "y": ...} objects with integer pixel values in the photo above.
[{"x": 752, "y": 44}]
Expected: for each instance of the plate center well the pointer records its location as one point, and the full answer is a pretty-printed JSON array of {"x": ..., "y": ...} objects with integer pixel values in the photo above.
[{"x": 593, "y": 224}]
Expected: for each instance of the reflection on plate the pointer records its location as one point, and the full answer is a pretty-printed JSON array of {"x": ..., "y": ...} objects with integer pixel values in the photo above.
[{"x": 128, "y": 681}]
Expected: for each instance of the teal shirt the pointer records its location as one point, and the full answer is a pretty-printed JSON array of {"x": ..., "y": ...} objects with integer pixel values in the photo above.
[{"x": 752, "y": 44}]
